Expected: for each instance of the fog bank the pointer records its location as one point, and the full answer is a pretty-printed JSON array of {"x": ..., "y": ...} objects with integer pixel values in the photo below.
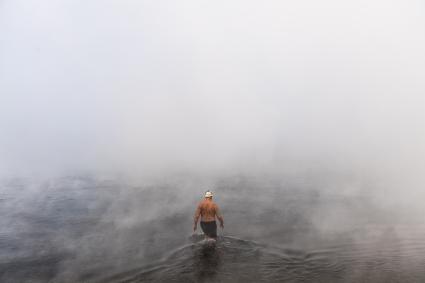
[{"x": 148, "y": 88}]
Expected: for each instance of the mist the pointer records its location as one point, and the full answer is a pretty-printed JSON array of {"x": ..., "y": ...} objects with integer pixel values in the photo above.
[{"x": 321, "y": 98}]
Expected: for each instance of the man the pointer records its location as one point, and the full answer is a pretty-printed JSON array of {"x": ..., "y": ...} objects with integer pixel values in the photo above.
[{"x": 208, "y": 210}]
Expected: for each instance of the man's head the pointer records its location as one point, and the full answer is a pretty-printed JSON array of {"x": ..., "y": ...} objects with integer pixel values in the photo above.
[{"x": 208, "y": 195}]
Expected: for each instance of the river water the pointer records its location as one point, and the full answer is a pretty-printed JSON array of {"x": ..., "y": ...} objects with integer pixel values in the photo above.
[{"x": 85, "y": 229}]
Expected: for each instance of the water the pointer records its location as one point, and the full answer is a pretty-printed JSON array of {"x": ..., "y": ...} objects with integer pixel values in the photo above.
[
  {"x": 237, "y": 260},
  {"x": 91, "y": 230}
]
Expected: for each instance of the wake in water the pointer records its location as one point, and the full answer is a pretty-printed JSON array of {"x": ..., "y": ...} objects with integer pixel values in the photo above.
[
  {"x": 84, "y": 230},
  {"x": 231, "y": 259},
  {"x": 202, "y": 260}
]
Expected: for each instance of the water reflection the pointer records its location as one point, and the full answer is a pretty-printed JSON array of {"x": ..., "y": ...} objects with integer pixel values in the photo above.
[{"x": 206, "y": 261}]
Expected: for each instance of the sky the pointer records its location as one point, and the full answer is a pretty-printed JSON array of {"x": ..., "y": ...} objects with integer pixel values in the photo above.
[{"x": 146, "y": 87}]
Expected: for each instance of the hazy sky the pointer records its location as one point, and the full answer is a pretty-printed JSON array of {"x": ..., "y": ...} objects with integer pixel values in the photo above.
[{"x": 211, "y": 85}]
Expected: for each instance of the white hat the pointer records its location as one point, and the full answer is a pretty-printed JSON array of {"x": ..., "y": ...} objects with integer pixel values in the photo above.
[{"x": 208, "y": 194}]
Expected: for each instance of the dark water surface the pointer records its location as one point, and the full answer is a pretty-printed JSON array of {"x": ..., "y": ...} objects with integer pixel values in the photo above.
[{"x": 93, "y": 230}]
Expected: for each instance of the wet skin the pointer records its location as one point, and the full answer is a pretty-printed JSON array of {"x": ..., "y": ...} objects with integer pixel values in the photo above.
[{"x": 208, "y": 211}]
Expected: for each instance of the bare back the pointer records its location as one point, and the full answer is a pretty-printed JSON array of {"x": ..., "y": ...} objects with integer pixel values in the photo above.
[{"x": 208, "y": 210}]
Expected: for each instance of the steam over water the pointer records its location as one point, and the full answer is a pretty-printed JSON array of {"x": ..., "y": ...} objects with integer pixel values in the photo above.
[
  {"x": 83, "y": 229},
  {"x": 305, "y": 118}
]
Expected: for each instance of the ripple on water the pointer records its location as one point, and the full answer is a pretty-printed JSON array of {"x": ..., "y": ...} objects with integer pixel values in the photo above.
[{"x": 237, "y": 260}]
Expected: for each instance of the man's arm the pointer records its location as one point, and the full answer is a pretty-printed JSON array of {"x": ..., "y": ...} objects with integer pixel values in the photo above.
[
  {"x": 196, "y": 217},
  {"x": 219, "y": 216}
]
